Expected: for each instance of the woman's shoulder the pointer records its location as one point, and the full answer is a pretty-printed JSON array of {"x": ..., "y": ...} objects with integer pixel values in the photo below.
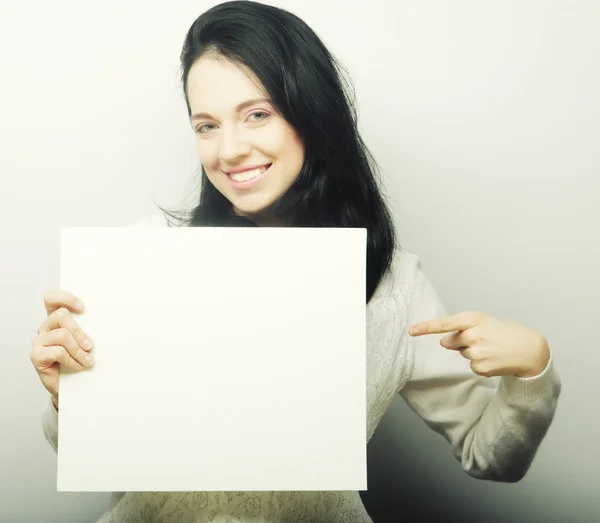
[
  {"x": 398, "y": 283},
  {"x": 405, "y": 266}
]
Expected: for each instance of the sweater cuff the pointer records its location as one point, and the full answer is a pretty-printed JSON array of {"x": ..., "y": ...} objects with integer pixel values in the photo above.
[
  {"x": 50, "y": 424},
  {"x": 51, "y": 410},
  {"x": 533, "y": 389}
]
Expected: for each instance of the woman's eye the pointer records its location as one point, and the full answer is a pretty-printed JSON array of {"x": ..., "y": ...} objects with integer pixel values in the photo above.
[
  {"x": 199, "y": 130},
  {"x": 259, "y": 113}
]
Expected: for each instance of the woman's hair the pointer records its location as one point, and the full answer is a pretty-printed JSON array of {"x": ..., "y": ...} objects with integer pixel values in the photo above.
[{"x": 336, "y": 186}]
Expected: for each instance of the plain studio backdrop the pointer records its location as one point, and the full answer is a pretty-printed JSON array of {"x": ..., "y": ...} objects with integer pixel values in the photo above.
[{"x": 485, "y": 119}]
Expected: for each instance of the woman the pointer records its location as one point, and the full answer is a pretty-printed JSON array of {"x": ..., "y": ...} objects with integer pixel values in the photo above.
[{"x": 277, "y": 139}]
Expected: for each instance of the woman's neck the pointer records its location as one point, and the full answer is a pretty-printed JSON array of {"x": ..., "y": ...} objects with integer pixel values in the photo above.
[{"x": 261, "y": 220}]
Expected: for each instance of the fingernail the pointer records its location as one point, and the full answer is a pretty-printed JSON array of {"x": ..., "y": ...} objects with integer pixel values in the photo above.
[
  {"x": 79, "y": 304},
  {"x": 87, "y": 344},
  {"x": 89, "y": 359}
]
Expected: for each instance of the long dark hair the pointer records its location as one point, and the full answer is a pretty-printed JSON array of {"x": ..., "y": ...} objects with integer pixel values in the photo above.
[{"x": 336, "y": 186}]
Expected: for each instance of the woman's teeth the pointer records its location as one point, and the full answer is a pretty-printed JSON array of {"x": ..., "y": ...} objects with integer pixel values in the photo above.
[{"x": 248, "y": 175}]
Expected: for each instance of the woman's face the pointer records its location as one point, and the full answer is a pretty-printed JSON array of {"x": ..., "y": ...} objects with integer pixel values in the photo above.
[{"x": 250, "y": 153}]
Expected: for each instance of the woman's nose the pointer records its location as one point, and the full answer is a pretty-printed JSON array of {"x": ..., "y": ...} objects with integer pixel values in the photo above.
[{"x": 233, "y": 145}]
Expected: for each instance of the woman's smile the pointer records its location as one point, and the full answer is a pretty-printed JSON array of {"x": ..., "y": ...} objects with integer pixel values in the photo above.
[{"x": 249, "y": 178}]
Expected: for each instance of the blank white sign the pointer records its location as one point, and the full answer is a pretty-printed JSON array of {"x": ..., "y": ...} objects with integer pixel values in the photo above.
[{"x": 226, "y": 359}]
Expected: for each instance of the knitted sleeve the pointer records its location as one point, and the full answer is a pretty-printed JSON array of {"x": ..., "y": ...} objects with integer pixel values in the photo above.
[{"x": 494, "y": 425}]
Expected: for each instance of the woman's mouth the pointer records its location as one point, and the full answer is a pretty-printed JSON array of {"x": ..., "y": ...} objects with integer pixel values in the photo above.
[{"x": 248, "y": 179}]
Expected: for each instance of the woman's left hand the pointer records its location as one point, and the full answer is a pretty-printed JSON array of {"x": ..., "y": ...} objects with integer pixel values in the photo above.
[{"x": 495, "y": 348}]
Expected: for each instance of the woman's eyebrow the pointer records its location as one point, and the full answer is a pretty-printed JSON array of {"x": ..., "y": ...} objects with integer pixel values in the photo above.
[{"x": 238, "y": 108}]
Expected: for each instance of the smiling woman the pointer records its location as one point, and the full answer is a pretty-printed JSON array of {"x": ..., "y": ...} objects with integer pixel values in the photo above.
[{"x": 277, "y": 139}]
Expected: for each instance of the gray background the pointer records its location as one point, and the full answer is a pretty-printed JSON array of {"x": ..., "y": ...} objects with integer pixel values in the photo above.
[{"x": 484, "y": 117}]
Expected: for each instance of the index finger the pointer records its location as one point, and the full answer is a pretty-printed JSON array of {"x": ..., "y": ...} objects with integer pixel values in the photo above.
[
  {"x": 458, "y": 322},
  {"x": 54, "y": 300}
]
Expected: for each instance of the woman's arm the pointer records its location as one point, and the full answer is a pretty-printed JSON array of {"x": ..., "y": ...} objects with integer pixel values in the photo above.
[{"x": 494, "y": 425}]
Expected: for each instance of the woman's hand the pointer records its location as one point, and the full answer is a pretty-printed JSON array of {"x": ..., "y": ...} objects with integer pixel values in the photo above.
[
  {"x": 60, "y": 340},
  {"x": 495, "y": 347}
]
